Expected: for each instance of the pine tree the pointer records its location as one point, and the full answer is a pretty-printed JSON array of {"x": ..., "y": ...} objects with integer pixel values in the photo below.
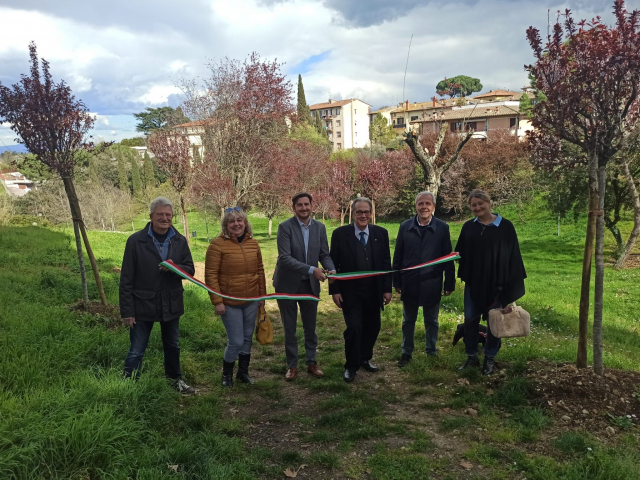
[
  {"x": 304, "y": 114},
  {"x": 318, "y": 124},
  {"x": 149, "y": 176},
  {"x": 136, "y": 183},
  {"x": 526, "y": 105},
  {"x": 123, "y": 179}
]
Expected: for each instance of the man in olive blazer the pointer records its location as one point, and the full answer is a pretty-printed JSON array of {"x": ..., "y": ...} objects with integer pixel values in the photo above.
[{"x": 302, "y": 243}]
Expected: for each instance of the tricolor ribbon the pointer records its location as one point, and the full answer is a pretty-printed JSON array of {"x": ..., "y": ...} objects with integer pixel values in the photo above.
[
  {"x": 289, "y": 296},
  {"x": 365, "y": 274},
  {"x": 272, "y": 296}
]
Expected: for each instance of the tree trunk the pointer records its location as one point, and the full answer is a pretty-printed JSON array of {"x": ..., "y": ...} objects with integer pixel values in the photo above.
[
  {"x": 598, "y": 364},
  {"x": 612, "y": 226},
  {"x": 323, "y": 217},
  {"x": 76, "y": 213},
  {"x": 342, "y": 213},
  {"x": 635, "y": 199},
  {"x": 83, "y": 273},
  {"x": 184, "y": 220},
  {"x": 350, "y": 216},
  {"x": 583, "y": 318},
  {"x": 373, "y": 212},
  {"x": 270, "y": 226}
]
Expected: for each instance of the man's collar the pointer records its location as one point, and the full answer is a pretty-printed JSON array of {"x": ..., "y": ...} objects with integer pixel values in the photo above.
[
  {"x": 496, "y": 222},
  {"x": 430, "y": 224},
  {"x": 301, "y": 223},
  {"x": 170, "y": 233},
  {"x": 366, "y": 230}
]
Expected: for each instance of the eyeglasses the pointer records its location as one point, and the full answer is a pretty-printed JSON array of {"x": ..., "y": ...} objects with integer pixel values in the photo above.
[
  {"x": 232, "y": 209},
  {"x": 363, "y": 212}
]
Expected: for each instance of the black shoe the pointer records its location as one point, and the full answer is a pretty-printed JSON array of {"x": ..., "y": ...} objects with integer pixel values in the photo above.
[
  {"x": 369, "y": 367},
  {"x": 488, "y": 365},
  {"x": 404, "y": 359},
  {"x": 243, "y": 369},
  {"x": 349, "y": 376},
  {"x": 227, "y": 374},
  {"x": 472, "y": 361}
]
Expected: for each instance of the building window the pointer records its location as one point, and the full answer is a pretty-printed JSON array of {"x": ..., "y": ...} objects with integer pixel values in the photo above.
[
  {"x": 355, "y": 133},
  {"x": 337, "y": 111},
  {"x": 337, "y": 123},
  {"x": 512, "y": 123},
  {"x": 355, "y": 111},
  {"x": 339, "y": 134},
  {"x": 355, "y": 122},
  {"x": 414, "y": 118},
  {"x": 400, "y": 120},
  {"x": 339, "y": 146},
  {"x": 473, "y": 125}
]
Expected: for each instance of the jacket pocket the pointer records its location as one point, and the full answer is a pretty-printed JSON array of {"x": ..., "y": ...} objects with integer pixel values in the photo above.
[
  {"x": 177, "y": 301},
  {"x": 144, "y": 303}
]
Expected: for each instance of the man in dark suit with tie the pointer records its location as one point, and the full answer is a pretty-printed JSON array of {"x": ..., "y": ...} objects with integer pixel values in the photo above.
[
  {"x": 355, "y": 248},
  {"x": 302, "y": 243}
]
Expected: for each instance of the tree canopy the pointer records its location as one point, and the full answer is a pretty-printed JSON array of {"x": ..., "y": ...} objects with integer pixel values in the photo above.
[
  {"x": 458, "y": 86},
  {"x": 162, "y": 117}
]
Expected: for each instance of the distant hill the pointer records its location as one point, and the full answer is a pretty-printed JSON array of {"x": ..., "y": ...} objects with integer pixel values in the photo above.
[{"x": 14, "y": 149}]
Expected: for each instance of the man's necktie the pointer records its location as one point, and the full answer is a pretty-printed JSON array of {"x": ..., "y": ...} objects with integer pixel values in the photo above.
[{"x": 363, "y": 240}]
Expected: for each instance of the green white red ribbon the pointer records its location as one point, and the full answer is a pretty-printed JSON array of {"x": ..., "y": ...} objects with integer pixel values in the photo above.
[
  {"x": 272, "y": 296},
  {"x": 365, "y": 274},
  {"x": 294, "y": 296}
]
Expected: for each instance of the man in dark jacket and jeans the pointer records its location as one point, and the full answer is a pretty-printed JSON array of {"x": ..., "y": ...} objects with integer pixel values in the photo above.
[
  {"x": 421, "y": 239},
  {"x": 150, "y": 293}
]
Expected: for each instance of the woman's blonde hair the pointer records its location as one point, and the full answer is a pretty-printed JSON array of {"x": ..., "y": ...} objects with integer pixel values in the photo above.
[
  {"x": 235, "y": 214},
  {"x": 481, "y": 194}
]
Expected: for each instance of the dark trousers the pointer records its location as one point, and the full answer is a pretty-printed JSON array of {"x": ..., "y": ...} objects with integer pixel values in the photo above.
[
  {"x": 472, "y": 328},
  {"x": 289, "y": 315},
  {"x": 431, "y": 327},
  {"x": 362, "y": 317},
  {"x": 139, "y": 337}
]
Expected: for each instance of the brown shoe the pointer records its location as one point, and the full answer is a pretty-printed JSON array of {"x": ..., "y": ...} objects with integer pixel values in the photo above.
[
  {"x": 291, "y": 374},
  {"x": 315, "y": 371}
]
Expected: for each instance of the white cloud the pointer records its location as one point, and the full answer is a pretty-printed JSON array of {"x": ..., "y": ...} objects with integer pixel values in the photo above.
[{"x": 127, "y": 57}]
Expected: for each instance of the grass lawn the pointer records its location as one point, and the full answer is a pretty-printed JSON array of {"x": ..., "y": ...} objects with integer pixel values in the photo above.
[{"x": 65, "y": 411}]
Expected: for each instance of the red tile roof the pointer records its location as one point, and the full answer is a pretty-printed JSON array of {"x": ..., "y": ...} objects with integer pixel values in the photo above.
[
  {"x": 335, "y": 103},
  {"x": 497, "y": 93}
]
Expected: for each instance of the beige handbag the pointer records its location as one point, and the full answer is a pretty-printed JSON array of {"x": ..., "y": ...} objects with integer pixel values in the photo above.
[{"x": 512, "y": 324}]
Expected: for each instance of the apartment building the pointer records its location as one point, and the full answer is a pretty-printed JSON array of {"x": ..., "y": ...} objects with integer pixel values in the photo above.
[
  {"x": 482, "y": 118},
  {"x": 410, "y": 115},
  {"x": 345, "y": 121}
]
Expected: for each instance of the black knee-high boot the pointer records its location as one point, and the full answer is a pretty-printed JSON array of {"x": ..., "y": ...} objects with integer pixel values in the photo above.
[
  {"x": 227, "y": 373},
  {"x": 243, "y": 368}
]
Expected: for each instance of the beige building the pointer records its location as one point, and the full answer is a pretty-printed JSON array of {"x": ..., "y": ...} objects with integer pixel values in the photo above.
[
  {"x": 193, "y": 130},
  {"x": 410, "y": 115},
  {"x": 345, "y": 121},
  {"x": 481, "y": 118}
]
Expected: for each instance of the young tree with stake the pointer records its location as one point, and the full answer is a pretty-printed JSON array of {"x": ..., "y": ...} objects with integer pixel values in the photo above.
[{"x": 54, "y": 126}]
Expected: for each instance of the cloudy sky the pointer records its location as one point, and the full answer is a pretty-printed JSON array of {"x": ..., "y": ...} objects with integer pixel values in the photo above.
[{"x": 122, "y": 56}]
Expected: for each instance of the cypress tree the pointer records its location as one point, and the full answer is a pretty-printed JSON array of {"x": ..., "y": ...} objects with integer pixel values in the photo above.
[
  {"x": 123, "y": 179},
  {"x": 318, "y": 124},
  {"x": 304, "y": 114},
  {"x": 149, "y": 175},
  {"x": 136, "y": 183}
]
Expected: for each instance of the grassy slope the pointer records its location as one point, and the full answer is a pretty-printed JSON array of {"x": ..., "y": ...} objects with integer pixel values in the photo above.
[{"x": 67, "y": 414}]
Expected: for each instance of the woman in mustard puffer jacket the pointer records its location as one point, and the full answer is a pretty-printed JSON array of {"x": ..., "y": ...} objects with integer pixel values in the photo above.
[{"x": 233, "y": 266}]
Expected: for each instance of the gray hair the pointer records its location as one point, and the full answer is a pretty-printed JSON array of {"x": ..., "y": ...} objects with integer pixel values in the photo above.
[
  {"x": 159, "y": 202},
  {"x": 433, "y": 197},
  {"x": 361, "y": 199}
]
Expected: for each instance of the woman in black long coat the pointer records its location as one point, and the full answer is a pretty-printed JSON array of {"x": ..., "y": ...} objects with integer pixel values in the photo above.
[{"x": 493, "y": 272}]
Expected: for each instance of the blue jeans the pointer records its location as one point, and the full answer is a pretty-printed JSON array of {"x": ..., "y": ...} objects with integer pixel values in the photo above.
[
  {"x": 239, "y": 321},
  {"x": 139, "y": 337},
  {"x": 472, "y": 328},
  {"x": 431, "y": 326}
]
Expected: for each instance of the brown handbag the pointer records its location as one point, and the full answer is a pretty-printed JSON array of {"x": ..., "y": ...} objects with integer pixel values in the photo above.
[
  {"x": 264, "y": 329},
  {"x": 516, "y": 323}
]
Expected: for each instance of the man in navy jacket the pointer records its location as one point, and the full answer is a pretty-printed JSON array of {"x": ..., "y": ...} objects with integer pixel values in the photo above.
[{"x": 421, "y": 239}]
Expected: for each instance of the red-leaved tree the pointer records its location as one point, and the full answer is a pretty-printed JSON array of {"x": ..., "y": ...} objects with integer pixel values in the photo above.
[
  {"x": 589, "y": 73},
  {"x": 54, "y": 126},
  {"x": 172, "y": 152}
]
